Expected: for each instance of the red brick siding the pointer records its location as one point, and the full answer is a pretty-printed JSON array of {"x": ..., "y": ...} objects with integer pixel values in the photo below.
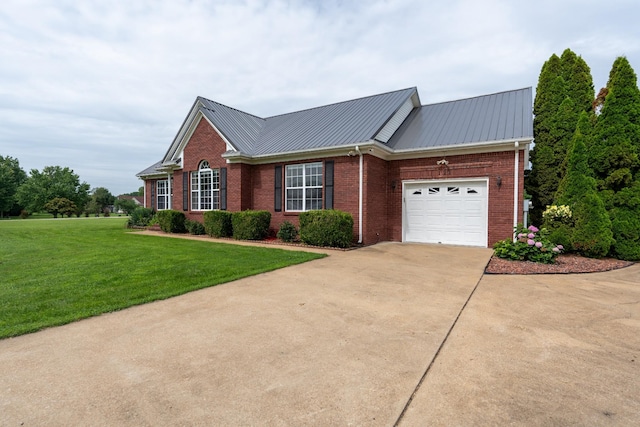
[
  {"x": 376, "y": 194},
  {"x": 252, "y": 187},
  {"x": 486, "y": 165},
  {"x": 345, "y": 195},
  {"x": 206, "y": 144}
]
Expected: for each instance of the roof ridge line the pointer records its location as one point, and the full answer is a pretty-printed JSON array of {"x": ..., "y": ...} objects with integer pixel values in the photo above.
[
  {"x": 477, "y": 96},
  {"x": 231, "y": 108},
  {"x": 340, "y": 102}
]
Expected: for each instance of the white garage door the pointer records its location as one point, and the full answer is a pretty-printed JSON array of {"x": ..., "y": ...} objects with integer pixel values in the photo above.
[{"x": 450, "y": 212}]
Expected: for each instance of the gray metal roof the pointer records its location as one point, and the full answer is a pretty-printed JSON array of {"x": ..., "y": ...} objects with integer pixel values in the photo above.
[
  {"x": 151, "y": 170},
  {"x": 344, "y": 123},
  {"x": 497, "y": 117},
  {"x": 501, "y": 116},
  {"x": 241, "y": 129}
]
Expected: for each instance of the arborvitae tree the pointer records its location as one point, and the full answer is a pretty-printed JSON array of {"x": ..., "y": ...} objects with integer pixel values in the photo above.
[
  {"x": 577, "y": 74},
  {"x": 550, "y": 93},
  {"x": 579, "y": 176},
  {"x": 591, "y": 235},
  {"x": 547, "y": 98},
  {"x": 615, "y": 158},
  {"x": 565, "y": 88}
]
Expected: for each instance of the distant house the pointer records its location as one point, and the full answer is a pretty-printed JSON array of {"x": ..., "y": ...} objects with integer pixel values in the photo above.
[
  {"x": 139, "y": 201},
  {"x": 449, "y": 172}
]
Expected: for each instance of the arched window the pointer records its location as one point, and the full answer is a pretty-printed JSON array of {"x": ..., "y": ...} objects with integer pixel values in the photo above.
[{"x": 205, "y": 188}]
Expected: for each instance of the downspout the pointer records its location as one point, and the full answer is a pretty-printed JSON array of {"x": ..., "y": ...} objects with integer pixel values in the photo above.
[
  {"x": 170, "y": 202},
  {"x": 360, "y": 196},
  {"x": 515, "y": 188}
]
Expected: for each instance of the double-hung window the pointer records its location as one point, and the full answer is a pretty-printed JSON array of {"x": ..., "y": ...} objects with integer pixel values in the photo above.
[
  {"x": 205, "y": 188},
  {"x": 162, "y": 199},
  {"x": 303, "y": 187}
]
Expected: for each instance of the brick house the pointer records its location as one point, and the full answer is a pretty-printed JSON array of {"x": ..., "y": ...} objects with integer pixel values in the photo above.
[{"x": 450, "y": 172}]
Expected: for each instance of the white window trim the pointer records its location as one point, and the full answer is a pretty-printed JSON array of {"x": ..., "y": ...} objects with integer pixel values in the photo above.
[
  {"x": 164, "y": 195},
  {"x": 196, "y": 194},
  {"x": 304, "y": 186}
]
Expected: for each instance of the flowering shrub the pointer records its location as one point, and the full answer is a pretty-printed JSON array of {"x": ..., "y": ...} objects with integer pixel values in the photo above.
[
  {"x": 531, "y": 244},
  {"x": 558, "y": 213}
]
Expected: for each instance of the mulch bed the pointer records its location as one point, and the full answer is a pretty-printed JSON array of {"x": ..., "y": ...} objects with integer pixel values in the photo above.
[{"x": 565, "y": 264}]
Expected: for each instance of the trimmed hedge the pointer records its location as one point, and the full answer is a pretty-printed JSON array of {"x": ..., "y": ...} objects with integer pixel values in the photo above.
[
  {"x": 326, "y": 228},
  {"x": 171, "y": 221},
  {"x": 288, "y": 232},
  {"x": 194, "y": 227},
  {"x": 140, "y": 217},
  {"x": 250, "y": 225},
  {"x": 217, "y": 223}
]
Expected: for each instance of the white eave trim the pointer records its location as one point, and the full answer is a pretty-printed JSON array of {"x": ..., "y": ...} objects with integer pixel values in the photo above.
[
  {"x": 314, "y": 153},
  {"x": 378, "y": 149},
  {"x": 186, "y": 132},
  {"x": 470, "y": 148}
]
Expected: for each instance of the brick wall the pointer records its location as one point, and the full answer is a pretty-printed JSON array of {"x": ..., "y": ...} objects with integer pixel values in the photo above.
[
  {"x": 206, "y": 144},
  {"x": 252, "y": 186},
  {"x": 486, "y": 165},
  {"x": 345, "y": 196}
]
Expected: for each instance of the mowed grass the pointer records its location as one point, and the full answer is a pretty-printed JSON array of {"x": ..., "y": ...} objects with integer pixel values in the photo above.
[{"x": 53, "y": 272}]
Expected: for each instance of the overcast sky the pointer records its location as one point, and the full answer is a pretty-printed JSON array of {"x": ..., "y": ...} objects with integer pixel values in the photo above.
[{"x": 102, "y": 87}]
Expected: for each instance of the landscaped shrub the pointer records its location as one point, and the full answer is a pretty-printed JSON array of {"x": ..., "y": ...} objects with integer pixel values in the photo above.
[
  {"x": 326, "y": 228},
  {"x": 217, "y": 223},
  {"x": 140, "y": 217},
  {"x": 592, "y": 235},
  {"x": 531, "y": 244},
  {"x": 250, "y": 225},
  {"x": 287, "y": 232},
  {"x": 171, "y": 221},
  {"x": 194, "y": 227},
  {"x": 626, "y": 231},
  {"x": 559, "y": 222}
]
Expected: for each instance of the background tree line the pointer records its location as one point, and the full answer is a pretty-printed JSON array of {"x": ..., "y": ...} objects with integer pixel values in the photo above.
[
  {"x": 586, "y": 157},
  {"x": 55, "y": 189}
]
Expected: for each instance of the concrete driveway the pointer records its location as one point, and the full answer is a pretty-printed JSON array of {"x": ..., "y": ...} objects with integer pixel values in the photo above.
[{"x": 389, "y": 334}]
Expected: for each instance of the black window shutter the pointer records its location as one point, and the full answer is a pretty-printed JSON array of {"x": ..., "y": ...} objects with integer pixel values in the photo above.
[
  {"x": 223, "y": 189},
  {"x": 328, "y": 184},
  {"x": 153, "y": 195},
  {"x": 278, "y": 190},
  {"x": 185, "y": 191}
]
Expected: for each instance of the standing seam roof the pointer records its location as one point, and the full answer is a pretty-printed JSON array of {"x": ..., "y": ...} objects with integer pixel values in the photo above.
[
  {"x": 496, "y": 117},
  {"x": 331, "y": 125}
]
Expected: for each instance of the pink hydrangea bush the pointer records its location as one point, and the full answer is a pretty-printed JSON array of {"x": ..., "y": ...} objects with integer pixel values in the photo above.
[{"x": 530, "y": 244}]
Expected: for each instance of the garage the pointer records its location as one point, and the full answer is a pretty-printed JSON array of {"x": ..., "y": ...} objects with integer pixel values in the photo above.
[{"x": 450, "y": 212}]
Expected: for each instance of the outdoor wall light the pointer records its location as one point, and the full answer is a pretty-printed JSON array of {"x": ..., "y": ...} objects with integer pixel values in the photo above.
[
  {"x": 393, "y": 185},
  {"x": 499, "y": 181}
]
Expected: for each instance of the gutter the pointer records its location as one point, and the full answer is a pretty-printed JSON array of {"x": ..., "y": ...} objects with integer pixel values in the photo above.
[
  {"x": 360, "y": 196},
  {"x": 516, "y": 185}
]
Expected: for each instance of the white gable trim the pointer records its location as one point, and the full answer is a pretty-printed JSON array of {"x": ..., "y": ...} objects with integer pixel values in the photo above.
[
  {"x": 392, "y": 125},
  {"x": 185, "y": 133}
]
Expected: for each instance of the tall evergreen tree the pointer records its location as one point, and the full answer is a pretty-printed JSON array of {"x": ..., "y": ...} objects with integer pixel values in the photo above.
[
  {"x": 565, "y": 89},
  {"x": 615, "y": 158},
  {"x": 591, "y": 235},
  {"x": 577, "y": 74}
]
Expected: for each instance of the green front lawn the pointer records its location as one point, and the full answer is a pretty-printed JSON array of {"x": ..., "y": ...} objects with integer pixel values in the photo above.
[{"x": 54, "y": 272}]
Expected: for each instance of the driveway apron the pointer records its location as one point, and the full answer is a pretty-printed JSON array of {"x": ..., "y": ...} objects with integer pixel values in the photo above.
[
  {"x": 343, "y": 340},
  {"x": 540, "y": 350}
]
